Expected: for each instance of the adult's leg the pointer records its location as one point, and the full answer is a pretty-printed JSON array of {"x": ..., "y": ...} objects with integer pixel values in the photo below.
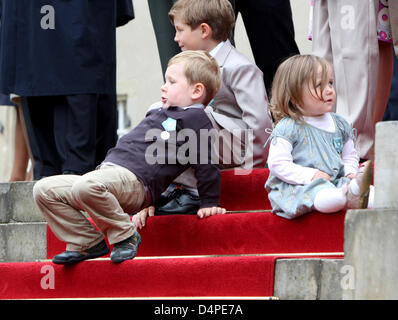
[
  {"x": 164, "y": 30},
  {"x": 385, "y": 74},
  {"x": 270, "y": 30},
  {"x": 355, "y": 59},
  {"x": 38, "y": 113},
  {"x": 321, "y": 43},
  {"x": 21, "y": 153},
  {"x": 75, "y": 129},
  {"x": 393, "y": 12},
  {"x": 392, "y": 107},
  {"x": 106, "y": 125}
]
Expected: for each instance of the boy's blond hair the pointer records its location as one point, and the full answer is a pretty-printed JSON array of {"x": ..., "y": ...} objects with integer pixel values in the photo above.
[
  {"x": 200, "y": 67},
  {"x": 292, "y": 76},
  {"x": 218, "y": 14}
]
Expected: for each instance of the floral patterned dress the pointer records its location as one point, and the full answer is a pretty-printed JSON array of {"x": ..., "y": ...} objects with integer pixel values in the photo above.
[{"x": 315, "y": 148}]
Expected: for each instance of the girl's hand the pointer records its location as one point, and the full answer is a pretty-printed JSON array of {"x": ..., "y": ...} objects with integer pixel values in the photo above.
[
  {"x": 320, "y": 174},
  {"x": 350, "y": 176}
]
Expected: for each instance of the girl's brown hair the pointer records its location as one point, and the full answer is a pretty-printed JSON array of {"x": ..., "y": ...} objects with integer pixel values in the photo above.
[{"x": 292, "y": 76}]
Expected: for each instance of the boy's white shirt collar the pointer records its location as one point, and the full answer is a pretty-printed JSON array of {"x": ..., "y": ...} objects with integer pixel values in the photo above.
[
  {"x": 215, "y": 50},
  {"x": 195, "y": 106}
]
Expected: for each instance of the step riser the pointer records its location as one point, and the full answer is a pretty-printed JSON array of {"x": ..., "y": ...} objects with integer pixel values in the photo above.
[
  {"x": 214, "y": 276},
  {"x": 309, "y": 279},
  {"x": 243, "y": 233},
  {"x": 295, "y": 279},
  {"x": 17, "y": 204},
  {"x": 20, "y": 242}
]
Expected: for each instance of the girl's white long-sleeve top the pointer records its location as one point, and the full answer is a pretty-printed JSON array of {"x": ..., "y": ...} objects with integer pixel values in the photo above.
[{"x": 280, "y": 160}]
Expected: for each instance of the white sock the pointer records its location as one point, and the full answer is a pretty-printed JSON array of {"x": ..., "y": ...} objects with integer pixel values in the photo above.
[
  {"x": 356, "y": 190},
  {"x": 354, "y": 187}
]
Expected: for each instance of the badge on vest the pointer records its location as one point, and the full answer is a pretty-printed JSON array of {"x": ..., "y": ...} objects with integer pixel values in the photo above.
[
  {"x": 338, "y": 145},
  {"x": 169, "y": 124}
]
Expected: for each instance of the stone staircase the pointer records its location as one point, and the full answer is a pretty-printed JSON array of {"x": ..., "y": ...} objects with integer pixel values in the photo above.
[
  {"x": 22, "y": 227},
  {"x": 25, "y": 238}
]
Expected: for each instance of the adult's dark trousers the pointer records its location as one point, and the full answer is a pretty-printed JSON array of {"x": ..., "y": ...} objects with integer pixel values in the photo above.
[
  {"x": 391, "y": 113},
  {"x": 69, "y": 133},
  {"x": 268, "y": 23},
  {"x": 164, "y": 30},
  {"x": 270, "y": 30}
]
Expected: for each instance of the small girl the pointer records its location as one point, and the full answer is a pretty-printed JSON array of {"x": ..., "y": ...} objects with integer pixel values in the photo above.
[{"x": 312, "y": 160}]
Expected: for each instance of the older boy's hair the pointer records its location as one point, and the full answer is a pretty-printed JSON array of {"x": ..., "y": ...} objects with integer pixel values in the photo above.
[
  {"x": 218, "y": 14},
  {"x": 292, "y": 76},
  {"x": 200, "y": 67}
]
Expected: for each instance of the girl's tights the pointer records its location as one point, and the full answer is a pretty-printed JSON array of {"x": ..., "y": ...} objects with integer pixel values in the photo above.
[{"x": 334, "y": 199}]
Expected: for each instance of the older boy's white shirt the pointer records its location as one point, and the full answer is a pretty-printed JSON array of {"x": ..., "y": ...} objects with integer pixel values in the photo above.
[
  {"x": 215, "y": 50},
  {"x": 280, "y": 160}
]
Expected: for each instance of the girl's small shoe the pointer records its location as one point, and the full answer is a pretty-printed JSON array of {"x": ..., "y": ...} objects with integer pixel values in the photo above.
[{"x": 364, "y": 179}]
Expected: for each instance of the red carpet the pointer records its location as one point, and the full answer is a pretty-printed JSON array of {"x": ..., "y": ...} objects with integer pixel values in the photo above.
[
  {"x": 244, "y": 189},
  {"x": 246, "y": 244},
  {"x": 179, "y": 277},
  {"x": 237, "y": 233}
]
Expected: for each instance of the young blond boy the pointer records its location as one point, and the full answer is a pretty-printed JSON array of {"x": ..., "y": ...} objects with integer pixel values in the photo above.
[
  {"x": 240, "y": 107},
  {"x": 128, "y": 179}
]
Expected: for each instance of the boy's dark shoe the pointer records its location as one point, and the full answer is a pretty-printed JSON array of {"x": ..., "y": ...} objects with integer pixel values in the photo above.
[
  {"x": 183, "y": 203},
  {"x": 126, "y": 249},
  {"x": 163, "y": 200},
  {"x": 71, "y": 257}
]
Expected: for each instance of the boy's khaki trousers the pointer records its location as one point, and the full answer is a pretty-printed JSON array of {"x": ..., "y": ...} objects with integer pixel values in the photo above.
[{"x": 107, "y": 195}]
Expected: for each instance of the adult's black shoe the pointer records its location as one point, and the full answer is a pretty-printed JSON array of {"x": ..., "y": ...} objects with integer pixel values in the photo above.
[
  {"x": 126, "y": 249},
  {"x": 71, "y": 257},
  {"x": 183, "y": 203}
]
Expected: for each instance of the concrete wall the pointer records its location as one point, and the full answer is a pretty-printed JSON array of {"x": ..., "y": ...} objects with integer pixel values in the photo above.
[{"x": 370, "y": 236}]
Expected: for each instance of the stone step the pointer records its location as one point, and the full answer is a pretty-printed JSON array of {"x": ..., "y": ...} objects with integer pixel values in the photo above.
[
  {"x": 16, "y": 203},
  {"x": 295, "y": 279},
  {"x": 20, "y": 242},
  {"x": 23, "y": 229},
  {"x": 309, "y": 279}
]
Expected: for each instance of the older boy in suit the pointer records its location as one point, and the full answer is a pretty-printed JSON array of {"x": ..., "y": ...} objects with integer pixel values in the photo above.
[{"x": 240, "y": 108}]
